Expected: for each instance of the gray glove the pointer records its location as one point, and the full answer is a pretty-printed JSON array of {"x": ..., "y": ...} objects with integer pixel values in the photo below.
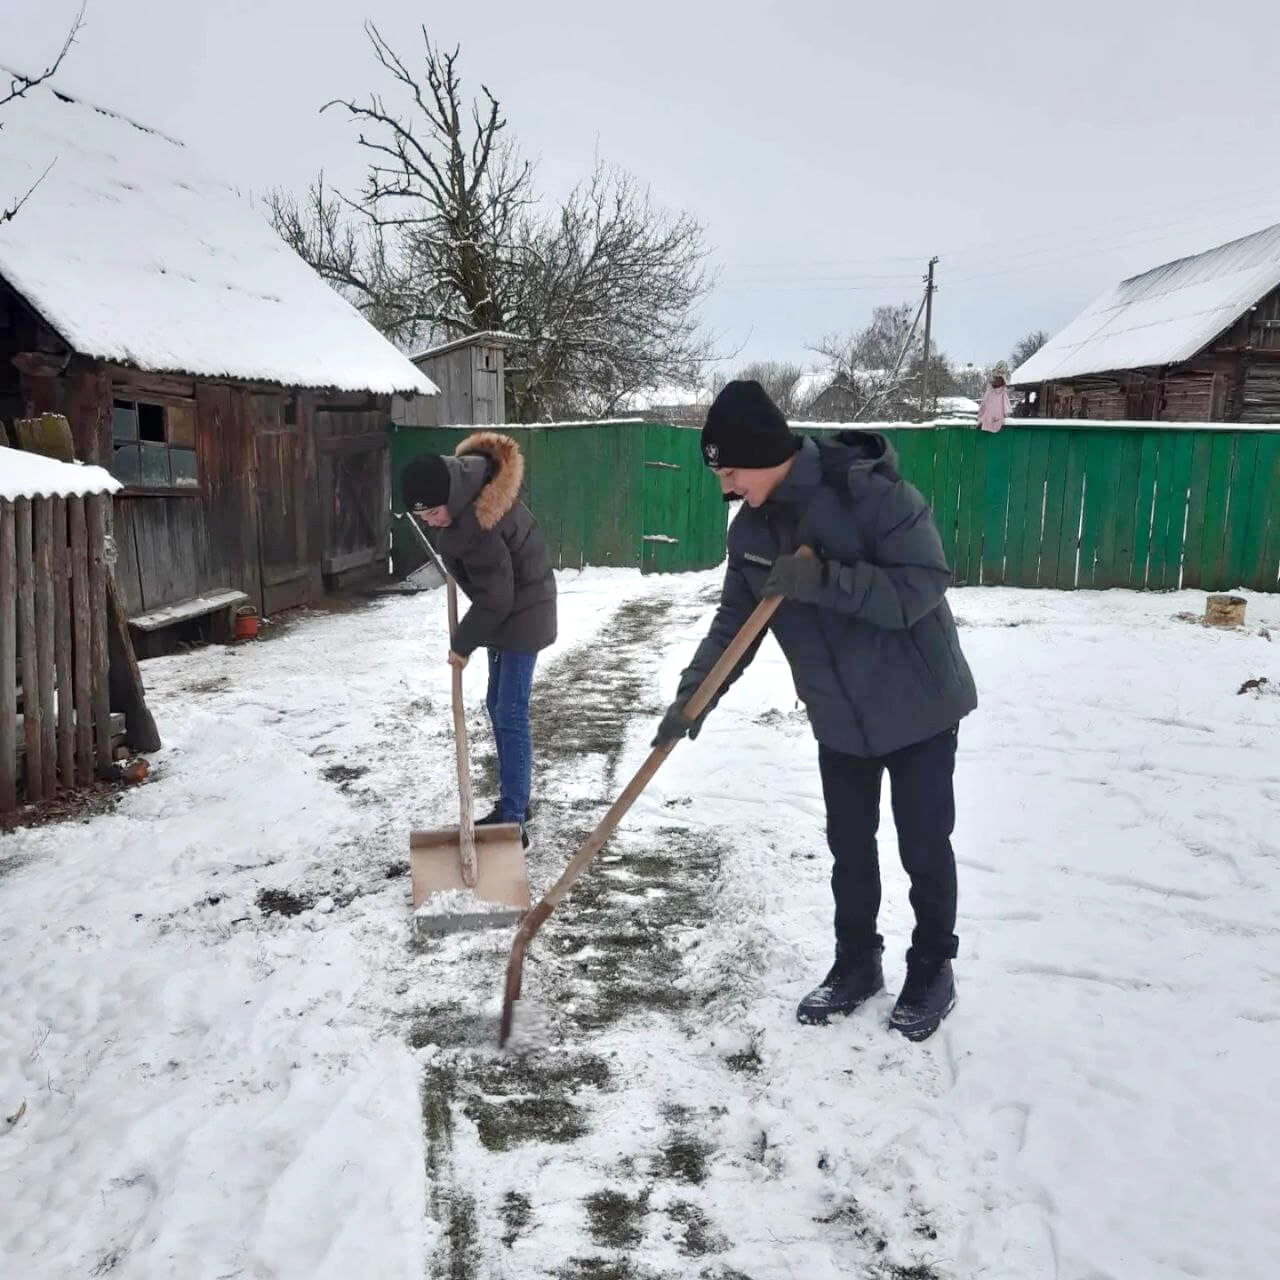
[
  {"x": 673, "y": 725},
  {"x": 795, "y": 577}
]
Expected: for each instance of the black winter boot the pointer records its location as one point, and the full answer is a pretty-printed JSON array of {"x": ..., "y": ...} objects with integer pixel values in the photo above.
[
  {"x": 851, "y": 981},
  {"x": 494, "y": 817},
  {"x": 928, "y": 995}
]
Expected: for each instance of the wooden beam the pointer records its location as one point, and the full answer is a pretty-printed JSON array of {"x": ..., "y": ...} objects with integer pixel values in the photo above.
[
  {"x": 8, "y": 660},
  {"x": 83, "y": 640},
  {"x": 128, "y": 694},
  {"x": 62, "y": 646},
  {"x": 42, "y": 540},
  {"x": 31, "y": 709},
  {"x": 97, "y": 522}
]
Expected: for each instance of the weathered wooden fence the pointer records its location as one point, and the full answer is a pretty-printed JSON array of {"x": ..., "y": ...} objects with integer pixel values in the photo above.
[
  {"x": 628, "y": 494},
  {"x": 55, "y": 721},
  {"x": 1078, "y": 504}
]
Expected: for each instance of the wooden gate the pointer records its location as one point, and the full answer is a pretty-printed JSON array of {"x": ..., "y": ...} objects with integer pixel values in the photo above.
[
  {"x": 55, "y": 718},
  {"x": 288, "y": 550}
]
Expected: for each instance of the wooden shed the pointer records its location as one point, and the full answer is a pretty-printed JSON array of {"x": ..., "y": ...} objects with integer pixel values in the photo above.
[
  {"x": 1196, "y": 340},
  {"x": 242, "y": 403},
  {"x": 470, "y": 373}
]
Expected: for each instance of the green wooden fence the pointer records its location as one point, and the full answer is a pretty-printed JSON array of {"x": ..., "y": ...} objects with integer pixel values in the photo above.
[
  {"x": 1049, "y": 504},
  {"x": 627, "y": 494},
  {"x": 1085, "y": 505}
]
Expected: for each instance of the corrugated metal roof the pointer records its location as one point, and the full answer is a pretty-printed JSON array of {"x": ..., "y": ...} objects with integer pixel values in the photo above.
[{"x": 1163, "y": 316}]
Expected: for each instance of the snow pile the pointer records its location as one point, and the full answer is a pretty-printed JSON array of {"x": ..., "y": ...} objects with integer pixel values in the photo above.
[
  {"x": 134, "y": 254},
  {"x": 31, "y": 475}
]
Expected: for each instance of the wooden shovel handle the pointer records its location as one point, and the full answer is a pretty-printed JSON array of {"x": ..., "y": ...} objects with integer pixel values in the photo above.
[
  {"x": 747, "y": 635},
  {"x": 466, "y": 808}
]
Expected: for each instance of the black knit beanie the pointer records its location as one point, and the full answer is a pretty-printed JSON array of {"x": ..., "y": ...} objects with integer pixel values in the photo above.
[
  {"x": 425, "y": 482},
  {"x": 745, "y": 428}
]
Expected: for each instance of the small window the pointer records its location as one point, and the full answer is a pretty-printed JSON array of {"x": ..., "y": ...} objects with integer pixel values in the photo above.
[{"x": 154, "y": 445}]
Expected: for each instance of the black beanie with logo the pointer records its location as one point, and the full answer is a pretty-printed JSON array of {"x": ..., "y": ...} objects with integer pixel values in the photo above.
[{"x": 744, "y": 428}]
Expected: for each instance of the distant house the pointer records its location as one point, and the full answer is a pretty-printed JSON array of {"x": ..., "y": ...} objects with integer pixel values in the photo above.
[
  {"x": 239, "y": 399},
  {"x": 471, "y": 375},
  {"x": 1196, "y": 340}
]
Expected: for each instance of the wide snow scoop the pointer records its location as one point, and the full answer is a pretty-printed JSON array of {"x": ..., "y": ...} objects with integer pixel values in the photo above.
[
  {"x": 465, "y": 877},
  {"x": 706, "y": 691}
]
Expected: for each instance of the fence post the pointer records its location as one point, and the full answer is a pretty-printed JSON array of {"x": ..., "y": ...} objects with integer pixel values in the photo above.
[
  {"x": 33, "y": 770},
  {"x": 62, "y": 646},
  {"x": 83, "y": 641},
  {"x": 8, "y": 660},
  {"x": 97, "y": 513},
  {"x": 42, "y": 544}
]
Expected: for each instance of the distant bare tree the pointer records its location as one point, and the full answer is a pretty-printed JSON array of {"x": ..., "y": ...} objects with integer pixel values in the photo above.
[
  {"x": 1025, "y": 348},
  {"x": 779, "y": 378},
  {"x": 447, "y": 238},
  {"x": 605, "y": 307},
  {"x": 877, "y": 370},
  {"x": 19, "y": 87}
]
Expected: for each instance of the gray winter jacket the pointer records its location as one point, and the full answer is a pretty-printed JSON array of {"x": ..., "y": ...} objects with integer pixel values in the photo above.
[
  {"x": 496, "y": 551},
  {"x": 877, "y": 661}
]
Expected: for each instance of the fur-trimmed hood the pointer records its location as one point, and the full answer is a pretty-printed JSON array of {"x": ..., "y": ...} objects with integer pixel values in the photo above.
[{"x": 486, "y": 472}]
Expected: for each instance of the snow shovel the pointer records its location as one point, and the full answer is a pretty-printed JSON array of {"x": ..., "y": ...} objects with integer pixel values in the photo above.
[
  {"x": 535, "y": 919},
  {"x": 465, "y": 877}
]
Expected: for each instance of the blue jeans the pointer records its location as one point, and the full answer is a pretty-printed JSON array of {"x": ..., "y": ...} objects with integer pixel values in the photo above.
[{"x": 510, "y": 682}]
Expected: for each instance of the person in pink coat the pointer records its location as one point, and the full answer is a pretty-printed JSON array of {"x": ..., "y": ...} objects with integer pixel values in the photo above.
[{"x": 995, "y": 407}]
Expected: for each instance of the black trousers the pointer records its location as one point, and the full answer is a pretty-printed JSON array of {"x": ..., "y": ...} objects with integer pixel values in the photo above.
[{"x": 924, "y": 812}]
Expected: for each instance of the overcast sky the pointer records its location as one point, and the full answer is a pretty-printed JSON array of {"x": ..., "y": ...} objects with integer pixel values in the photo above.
[{"x": 1042, "y": 151}]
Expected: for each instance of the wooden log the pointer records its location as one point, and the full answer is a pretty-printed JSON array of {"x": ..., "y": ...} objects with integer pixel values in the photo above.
[
  {"x": 8, "y": 660},
  {"x": 42, "y": 545},
  {"x": 82, "y": 640},
  {"x": 33, "y": 769},
  {"x": 128, "y": 694},
  {"x": 62, "y": 646},
  {"x": 98, "y": 661},
  {"x": 1224, "y": 611}
]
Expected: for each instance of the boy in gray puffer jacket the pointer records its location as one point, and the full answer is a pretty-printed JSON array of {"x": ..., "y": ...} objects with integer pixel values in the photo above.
[
  {"x": 872, "y": 646},
  {"x": 491, "y": 544}
]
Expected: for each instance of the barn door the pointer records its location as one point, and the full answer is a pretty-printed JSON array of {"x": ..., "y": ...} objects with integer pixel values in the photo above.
[
  {"x": 285, "y": 483},
  {"x": 354, "y": 475}
]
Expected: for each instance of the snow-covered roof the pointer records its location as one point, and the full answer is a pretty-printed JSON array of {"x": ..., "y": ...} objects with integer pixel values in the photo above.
[
  {"x": 667, "y": 396},
  {"x": 133, "y": 253},
  {"x": 32, "y": 475},
  {"x": 489, "y": 337},
  {"x": 957, "y": 407},
  {"x": 1163, "y": 316},
  {"x": 809, "y": 386}
]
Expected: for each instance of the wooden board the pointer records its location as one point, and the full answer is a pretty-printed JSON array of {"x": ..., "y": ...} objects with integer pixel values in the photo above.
[{"x": 8, "y": 659}]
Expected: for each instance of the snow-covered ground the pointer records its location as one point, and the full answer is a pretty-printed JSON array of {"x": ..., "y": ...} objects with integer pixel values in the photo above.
[{"x": 216, "y": 1088}]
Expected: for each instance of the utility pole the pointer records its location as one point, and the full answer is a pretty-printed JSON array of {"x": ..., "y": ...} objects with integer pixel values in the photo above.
[{"x": 929, "y": 288}]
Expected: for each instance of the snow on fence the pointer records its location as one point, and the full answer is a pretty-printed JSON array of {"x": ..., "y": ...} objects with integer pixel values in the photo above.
[
  {"x": 1044, "y": 503},
  {"x": 55, "y": 721}
]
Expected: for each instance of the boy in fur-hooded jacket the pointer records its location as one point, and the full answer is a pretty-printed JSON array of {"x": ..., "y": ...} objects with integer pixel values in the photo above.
[{"x": 491, "y": 544}]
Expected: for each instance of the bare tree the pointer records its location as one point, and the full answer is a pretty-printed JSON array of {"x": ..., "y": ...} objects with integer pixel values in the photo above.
[
  {"x": 779, "y": 378},
  {"x": 878, "y": 369},
  {"x": 1026, "y": 347},
  {"x": 19, "y": 87},
  {"x": 607, "y": 287},
  {"x": 447, "y": 238}
]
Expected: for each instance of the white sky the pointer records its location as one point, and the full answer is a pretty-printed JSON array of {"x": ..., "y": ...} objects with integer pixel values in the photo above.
[{"x": 1043, "y": 151}]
